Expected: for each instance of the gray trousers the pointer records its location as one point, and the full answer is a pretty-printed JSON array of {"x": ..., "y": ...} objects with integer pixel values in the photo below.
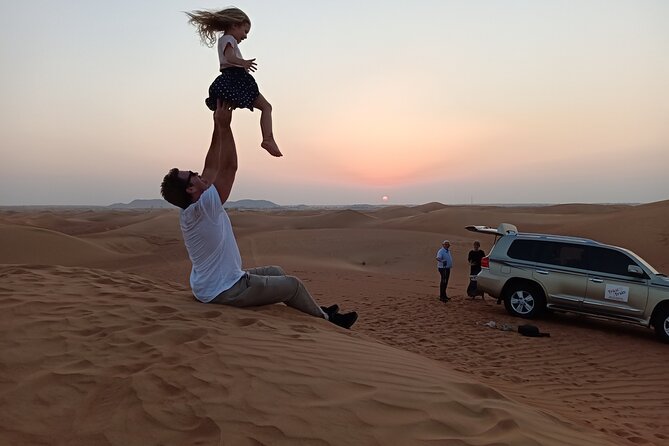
[{"x": 269, "y": 285}]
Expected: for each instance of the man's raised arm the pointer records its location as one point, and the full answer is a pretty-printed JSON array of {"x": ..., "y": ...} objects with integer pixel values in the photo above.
[{"x": 220, "y": 164}]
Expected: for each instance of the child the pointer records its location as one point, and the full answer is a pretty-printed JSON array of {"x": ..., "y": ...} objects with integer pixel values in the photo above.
[{"x": 235, "y": 85}]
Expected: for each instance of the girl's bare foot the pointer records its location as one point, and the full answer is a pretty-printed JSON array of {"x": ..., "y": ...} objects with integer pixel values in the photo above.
[{"x": 271, "y": 147}]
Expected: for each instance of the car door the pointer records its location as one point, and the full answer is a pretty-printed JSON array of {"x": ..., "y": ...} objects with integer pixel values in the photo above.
[
  {"x": 612, "y": 290},
  {"x": 561, "y": 270},
  {"x": 558, "y": 267}
]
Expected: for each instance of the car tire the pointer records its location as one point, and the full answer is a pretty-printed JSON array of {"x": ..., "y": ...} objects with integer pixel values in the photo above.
[
  {"x": 525, "y": 300},
  {"x": 661, "y": 324}
]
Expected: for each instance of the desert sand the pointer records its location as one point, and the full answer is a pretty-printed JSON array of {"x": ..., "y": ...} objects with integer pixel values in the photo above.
[{"x": 102, "y": 343}]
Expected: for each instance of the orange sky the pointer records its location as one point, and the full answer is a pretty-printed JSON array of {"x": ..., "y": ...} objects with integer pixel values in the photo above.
[{"x": 450, "y": 101}]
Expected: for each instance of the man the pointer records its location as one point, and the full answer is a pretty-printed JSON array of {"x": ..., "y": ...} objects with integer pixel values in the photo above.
[
  {"x": 474, "y": 258},
  {"x": 217, "y": 275},
  {"x": 444, "y": 264}
]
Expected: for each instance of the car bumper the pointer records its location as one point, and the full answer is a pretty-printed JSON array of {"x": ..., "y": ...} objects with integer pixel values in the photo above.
[{"x": 490, "y": 283}]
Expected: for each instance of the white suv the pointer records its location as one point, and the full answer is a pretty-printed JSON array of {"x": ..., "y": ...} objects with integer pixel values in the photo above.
[{"x": 535, "y": 272}]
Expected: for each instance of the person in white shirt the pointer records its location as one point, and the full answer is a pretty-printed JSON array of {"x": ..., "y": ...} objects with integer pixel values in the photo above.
[
  {"x": 217, "y": 275},
  {"x": 444, "y": 264}
]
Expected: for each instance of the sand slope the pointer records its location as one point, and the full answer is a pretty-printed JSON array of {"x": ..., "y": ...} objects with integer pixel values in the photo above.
[{"x": 94, "y": 357}]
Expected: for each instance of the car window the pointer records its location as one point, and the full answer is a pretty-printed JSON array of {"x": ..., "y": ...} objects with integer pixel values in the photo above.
[
  {"x": 609, "y": 261},
  {"x": 551, "y": 253},
  {"x": 521, "y": 250},
  {"x": 547, "y": 252},
  {"x": 640, "y": 260},
  {"x": 561, "y": 254}
]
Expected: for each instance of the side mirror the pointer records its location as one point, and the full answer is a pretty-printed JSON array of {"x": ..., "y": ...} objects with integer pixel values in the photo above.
[{"x": 635, "y": 270}]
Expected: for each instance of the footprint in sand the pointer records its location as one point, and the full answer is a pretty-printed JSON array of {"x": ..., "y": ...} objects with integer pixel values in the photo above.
[
  {"x": 300, "y": 328},
  {"x": 162, "y": 309}
]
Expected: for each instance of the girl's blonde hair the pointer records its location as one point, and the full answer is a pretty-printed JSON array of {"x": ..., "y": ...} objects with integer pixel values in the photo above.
[{"x": 208, "y": 23}]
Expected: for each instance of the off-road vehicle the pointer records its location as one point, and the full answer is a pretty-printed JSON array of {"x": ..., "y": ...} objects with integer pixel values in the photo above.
[{"x": 533, "y": 273}]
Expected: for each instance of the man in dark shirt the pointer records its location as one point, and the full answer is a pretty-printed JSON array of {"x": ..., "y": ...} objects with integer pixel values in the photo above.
[{"x": 474, "y": 258}]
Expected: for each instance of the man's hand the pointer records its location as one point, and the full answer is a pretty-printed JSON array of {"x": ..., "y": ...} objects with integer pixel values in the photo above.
[{"x": 223, "y": 114}]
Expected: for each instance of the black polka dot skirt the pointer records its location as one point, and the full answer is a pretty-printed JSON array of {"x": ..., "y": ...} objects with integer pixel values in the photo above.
[{"x": 235, "y": 86}]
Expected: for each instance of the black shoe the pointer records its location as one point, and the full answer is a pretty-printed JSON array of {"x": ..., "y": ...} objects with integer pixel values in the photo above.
[
  {"x": 345, "y": 320},
  {"x": 331, "y": 310},
  {"x": 444, "y": 299}
]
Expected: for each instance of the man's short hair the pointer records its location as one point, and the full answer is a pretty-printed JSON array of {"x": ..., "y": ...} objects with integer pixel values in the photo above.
[{"x": 173, "y": 189}]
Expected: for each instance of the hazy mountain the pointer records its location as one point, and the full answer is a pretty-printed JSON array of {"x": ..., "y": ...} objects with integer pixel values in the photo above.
[
  {"x": 142, "y": 204},
  {"x": 162, "y": 204},
  {"x": 251, "y": 204}
]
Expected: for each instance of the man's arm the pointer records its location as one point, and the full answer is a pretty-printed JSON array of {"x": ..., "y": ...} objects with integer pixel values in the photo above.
[
  {"x": 220, "y": 164},
  {"x": 210, "y": 168},
  {"x": 448, "y": 260}
]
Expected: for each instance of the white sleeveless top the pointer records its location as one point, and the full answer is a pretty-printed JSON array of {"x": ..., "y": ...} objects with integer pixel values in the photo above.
[{"x": 223, "y": 42}]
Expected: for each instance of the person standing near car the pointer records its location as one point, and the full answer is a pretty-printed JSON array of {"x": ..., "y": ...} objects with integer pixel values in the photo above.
[
  {"x": 444, "y": 264},
  {"x": 474, "y": 259}
]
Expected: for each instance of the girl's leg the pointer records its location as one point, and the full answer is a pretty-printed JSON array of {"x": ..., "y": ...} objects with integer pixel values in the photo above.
[{"x": 268, "y": 142}]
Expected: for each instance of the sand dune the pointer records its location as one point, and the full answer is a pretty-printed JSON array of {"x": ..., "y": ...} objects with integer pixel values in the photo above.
[
  {"x": 139, "y": 362},
  {"x": 24, "y": 244},
  {"x": 406, "y": 211},
  {"x": 102, "y": 342}
]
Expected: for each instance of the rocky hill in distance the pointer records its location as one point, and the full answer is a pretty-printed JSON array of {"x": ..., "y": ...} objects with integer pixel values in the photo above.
[{"x": 158, "y": 203}]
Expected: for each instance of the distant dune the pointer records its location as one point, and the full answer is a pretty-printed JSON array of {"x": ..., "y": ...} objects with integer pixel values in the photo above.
[{"x": 101, "y": 341}]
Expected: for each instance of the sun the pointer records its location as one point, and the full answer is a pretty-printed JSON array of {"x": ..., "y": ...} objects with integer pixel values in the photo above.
[{"x": 384, "y": 198}]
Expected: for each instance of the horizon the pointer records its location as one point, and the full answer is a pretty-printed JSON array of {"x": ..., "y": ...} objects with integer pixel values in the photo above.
[
  {"x": 444, "y": 101},
  {"x": 138, "y": 201}
]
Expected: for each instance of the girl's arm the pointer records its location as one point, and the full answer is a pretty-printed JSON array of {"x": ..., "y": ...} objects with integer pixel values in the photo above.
[{"x": 248, "y": 65}]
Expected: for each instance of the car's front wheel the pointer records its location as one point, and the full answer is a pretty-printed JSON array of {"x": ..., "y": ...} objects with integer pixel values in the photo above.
[
  {"x": 525, "y": 300},
  {"x": 661, "y": 324}
]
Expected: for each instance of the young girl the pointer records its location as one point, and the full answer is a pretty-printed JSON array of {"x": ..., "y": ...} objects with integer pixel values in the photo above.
[{"x": 235, "y": 85}]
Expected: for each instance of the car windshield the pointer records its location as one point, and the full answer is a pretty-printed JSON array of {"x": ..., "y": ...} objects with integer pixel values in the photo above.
[{"x": 643, "y": 262}]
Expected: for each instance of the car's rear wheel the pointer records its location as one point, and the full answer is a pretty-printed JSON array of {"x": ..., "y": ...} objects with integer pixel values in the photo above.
[
  {"x": 661, "y": 324},
  {"x": 525, "y": 300}
]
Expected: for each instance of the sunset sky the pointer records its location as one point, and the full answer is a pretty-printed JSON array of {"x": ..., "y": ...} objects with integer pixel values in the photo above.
[{"x": 452, "y": 101}]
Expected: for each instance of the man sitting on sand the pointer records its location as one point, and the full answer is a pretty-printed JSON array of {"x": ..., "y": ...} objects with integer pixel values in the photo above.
[{"x": 217, "y": 275}]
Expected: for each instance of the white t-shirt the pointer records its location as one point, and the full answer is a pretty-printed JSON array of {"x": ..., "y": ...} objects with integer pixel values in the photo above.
[
  {"x": 211, "y": 246},
  {"x": 223, "y": 42}
]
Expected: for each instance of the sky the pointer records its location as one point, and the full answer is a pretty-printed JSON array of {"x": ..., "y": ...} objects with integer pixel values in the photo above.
[{"x": 454, "y": 101}]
